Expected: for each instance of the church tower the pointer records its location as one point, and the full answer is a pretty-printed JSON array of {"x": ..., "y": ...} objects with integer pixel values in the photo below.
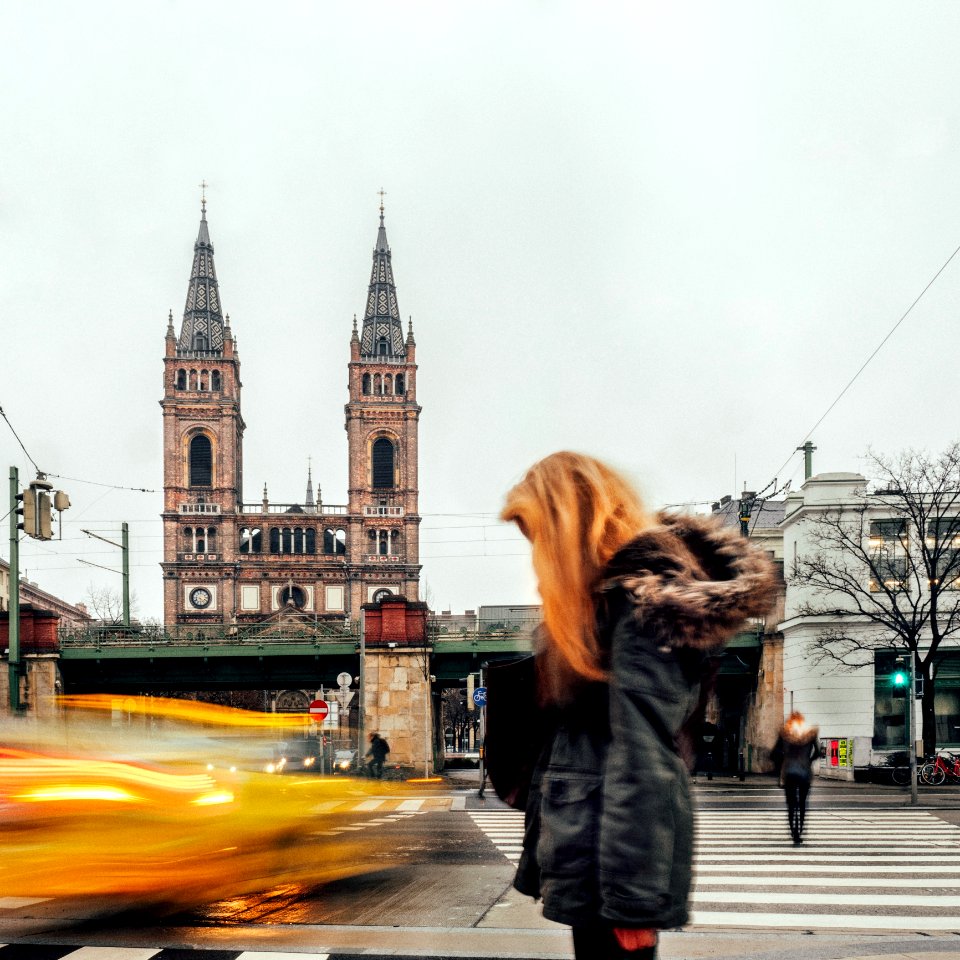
[
  {"x": 202, "y": 448},
  {"x": 382, "y": 422}
]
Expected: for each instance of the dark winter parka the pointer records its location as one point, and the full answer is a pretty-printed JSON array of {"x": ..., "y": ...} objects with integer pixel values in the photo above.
[
  {"x": 795, "y": 751},
  {"x": 609, "y": 825}
]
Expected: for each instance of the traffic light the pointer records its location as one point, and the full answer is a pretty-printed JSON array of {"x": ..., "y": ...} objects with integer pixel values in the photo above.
[
  {"x": 29, "y": 512},
  {"x": 899, "y": 682},
  {"x": 44, "y": 516}
]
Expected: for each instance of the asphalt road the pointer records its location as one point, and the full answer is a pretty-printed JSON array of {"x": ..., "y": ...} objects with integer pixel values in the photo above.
[{"x": 874, "y": 877}]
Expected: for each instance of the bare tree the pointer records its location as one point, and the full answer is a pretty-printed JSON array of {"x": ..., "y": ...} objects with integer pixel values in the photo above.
[
  {"x": 107, "y": 604},
  {"x": 884, "y": 570},
  {"x": 457, "y": 718}
]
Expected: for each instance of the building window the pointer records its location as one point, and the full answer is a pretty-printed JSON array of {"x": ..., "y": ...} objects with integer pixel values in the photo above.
[
  {"x": 366, "y": 383},
  {"x": 311, "y": 540},
  {"x": 380, "y": 594},
  {"x": 201, "y": 461},
  {"x": 204, "y": 379},
  {"x": 888, "y": 555},
  {"x": 383, "y": 346},
  {"x": 215, "y": 380},
  {"x": 334, "y": 541},
  {"x": 211, "y": 539},
  {"x": 181, "y": 379},
  {"x": 388, "y": 384},
  {"x": 193, "y": 380},
  {"x": 286, "y": 541},
  {"x": 398, "y": 385},
  {"x": 943, "y": 542},
  {"x": 382, "y": 463},
  {"x": 251, "y": 540},
  {"x": 188, "y": 542},
  {"x": 274, "y": 539},
  {"x": 377, "y": 384},
  {"x": 200, "y": 341}
]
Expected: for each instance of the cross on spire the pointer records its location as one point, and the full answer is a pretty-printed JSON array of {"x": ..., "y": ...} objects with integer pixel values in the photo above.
[
  {"x": 382, "y": 193},
  {"x": 203, "y": 195}
]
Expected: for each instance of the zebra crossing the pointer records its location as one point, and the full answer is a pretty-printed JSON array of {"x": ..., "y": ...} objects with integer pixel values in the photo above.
[{"x": 856, "y": 870}]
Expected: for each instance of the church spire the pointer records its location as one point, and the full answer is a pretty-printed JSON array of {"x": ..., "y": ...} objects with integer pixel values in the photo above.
[
  {"x": 309, "y": 503},
  {"x": 382, "y": 334},
  {"x": 202, "y": 329}
]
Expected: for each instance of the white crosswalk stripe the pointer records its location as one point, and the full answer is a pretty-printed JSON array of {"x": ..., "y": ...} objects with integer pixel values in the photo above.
[{"x": 856, "y": 869}]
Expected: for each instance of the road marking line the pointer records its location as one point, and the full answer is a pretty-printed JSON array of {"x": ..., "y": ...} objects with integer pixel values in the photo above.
[
  {"x": 826, "y": 899},
  {"x": 826, "y": 882},
  {"x": 267, "y": 955},
  {"x": 807, "y": 921},
  {"x": 896, "y": 871},
  {"x": 459, "y": 803},
  {"x": 369, "y": 805},
  {"x": 16, "y": 903},
  {"x": 410, "y": 805},
  {"x": 114, "y": 953}
]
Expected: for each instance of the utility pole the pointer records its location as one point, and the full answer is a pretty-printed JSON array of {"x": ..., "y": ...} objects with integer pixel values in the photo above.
[
  {"x": 14, "y": 612},
  {"x": 124, "y": 545},
  {"x": 911, "y": 710},
  {"x": 807, "y": 449}
]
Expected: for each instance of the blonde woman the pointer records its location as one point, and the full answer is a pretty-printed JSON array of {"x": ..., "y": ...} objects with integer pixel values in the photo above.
[
  {"x": 795, "y": 750},
  {"x": 633, "y": 604}
]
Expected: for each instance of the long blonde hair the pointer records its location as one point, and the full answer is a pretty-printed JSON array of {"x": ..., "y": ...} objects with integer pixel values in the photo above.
[{"x": 577, "y": 513}]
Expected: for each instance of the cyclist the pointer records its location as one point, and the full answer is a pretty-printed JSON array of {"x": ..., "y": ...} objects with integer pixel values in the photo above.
[{"x": 794, "y": 753}]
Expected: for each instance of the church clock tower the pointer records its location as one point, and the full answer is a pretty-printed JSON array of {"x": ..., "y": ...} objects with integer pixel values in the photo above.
[
  {"x": 382, "y": 421},
  {"x": 202, "y": 452}
]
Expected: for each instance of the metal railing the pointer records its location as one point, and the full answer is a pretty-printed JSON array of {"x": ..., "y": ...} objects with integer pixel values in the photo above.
[{"x": 324, "y": 510}]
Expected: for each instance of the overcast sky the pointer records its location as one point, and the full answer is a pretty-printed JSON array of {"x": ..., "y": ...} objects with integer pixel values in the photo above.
[{"x": 663, "y": 234}]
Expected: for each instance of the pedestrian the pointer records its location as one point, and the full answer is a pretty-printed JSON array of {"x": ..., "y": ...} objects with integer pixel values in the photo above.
[
  {"x": 633, "y": 604},
  {"x": 379, "y": 748},
  {"x": 795, "y": 750}
]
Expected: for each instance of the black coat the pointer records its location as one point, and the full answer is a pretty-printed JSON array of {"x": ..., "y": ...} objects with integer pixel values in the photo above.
[{"x": 609, "y": 823}]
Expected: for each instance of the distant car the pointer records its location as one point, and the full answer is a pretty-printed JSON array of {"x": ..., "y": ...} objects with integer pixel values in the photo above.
[
  {"x": 344, "y": 761},
  {"x": 294, "y": 756},
  {"x": 462, "y": 758}
]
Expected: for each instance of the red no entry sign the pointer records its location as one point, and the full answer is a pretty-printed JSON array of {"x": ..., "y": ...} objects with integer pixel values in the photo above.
[{"x": 319, "y": 709}]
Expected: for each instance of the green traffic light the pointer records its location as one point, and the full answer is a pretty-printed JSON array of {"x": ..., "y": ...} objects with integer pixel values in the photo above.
[{"x": 899, "y": 679}]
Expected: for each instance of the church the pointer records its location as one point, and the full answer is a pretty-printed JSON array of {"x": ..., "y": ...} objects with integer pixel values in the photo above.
[{"x": 227, "y": 561}]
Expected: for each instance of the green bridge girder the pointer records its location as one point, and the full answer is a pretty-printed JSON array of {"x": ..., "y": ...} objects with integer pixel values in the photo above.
[{"x": 127, "y": 662}]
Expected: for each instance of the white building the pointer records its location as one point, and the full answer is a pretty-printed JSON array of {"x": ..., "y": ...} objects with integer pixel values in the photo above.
[{"x": 861, "y": 723}]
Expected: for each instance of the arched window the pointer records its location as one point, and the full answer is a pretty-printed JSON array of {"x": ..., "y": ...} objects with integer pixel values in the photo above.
[
  {"x": 193, "y": 380},
  {"x": 366, "y": 383},
  {"x": 382, "y": 463},
  {"x": 298, "y": 540},
  {"x": 387, "y": 384},
  {"x": 286, "y": 541},
  {"x": 201, "y": 542},
  {"x": 201, "y": 461},
  {"x": 295, "y": 595},
  {"x": 334, "y": 541},
  {"x": 274, "y": 540},
  {"x": 311, "y": 539},
  {"x": 211, "y": 539},
  {"x": 383, "y": 346},
  {"x": 188, "y": 539},
  {"x": 250, "y": 540},
  {"x": 382, "y": 545},
  {"x": 181, "y": 379},
  {"x": 377, "y": 384},
  {"x": 215, "y": 380},
  {"x": 381, "y": 593},
  {"x": 398, "y": 385},
  {"x": 395, "y": 542},
  {"x": 204, "y": 379}
]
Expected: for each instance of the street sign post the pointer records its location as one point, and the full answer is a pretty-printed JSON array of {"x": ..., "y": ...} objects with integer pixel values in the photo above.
[
  {"x": 319, "y": 710},
  {"x": 480, "y": 696}
]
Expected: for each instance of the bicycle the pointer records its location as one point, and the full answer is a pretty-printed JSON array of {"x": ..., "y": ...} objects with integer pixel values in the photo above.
[{"x": 945, "y": 766}]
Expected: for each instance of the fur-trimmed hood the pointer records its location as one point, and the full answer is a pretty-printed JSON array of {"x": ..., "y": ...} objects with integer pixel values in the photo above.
[
  {"x": 798, "y": 736},
  {"x": 692, "y": 580}
]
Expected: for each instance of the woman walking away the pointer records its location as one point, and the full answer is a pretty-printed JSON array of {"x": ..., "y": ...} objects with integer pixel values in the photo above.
[
  {"x": 633, "y": 604},
  {"x": 795, "y": 751}
]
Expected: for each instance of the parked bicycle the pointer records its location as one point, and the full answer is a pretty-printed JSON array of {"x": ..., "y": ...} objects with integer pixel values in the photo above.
[{"x": 945, "y": 766}]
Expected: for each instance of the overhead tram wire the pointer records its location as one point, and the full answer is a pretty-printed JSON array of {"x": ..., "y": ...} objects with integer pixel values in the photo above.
[
  {"x": 22, "y": 447},
  {"x": 866, "y": 362}
]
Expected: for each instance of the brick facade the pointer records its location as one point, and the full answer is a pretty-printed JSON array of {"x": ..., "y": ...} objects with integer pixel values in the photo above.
[{"x": 230, "y": 561}]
